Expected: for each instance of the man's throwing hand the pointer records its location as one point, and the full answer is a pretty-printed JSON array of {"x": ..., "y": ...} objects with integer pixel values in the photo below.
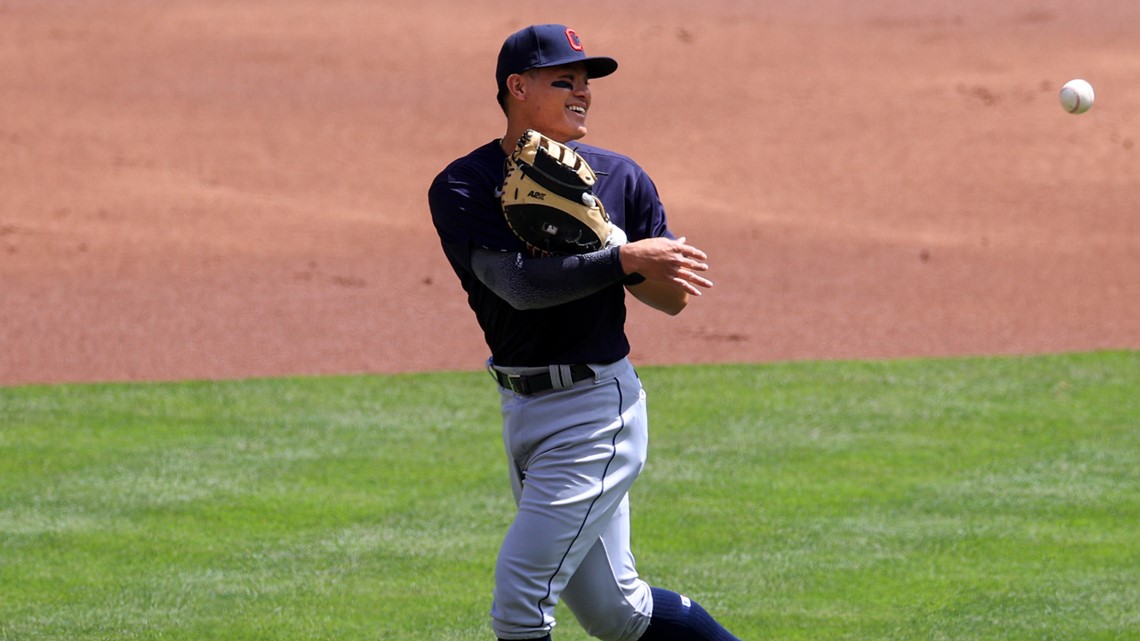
[{"x": 667, "y": 260}]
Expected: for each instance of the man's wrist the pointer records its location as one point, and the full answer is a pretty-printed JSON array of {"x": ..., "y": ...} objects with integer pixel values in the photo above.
[{"x": 630, "y": 277}]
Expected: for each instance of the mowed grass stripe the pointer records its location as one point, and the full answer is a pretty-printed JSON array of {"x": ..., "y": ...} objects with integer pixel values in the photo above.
[{"x": 972, "y": 498}]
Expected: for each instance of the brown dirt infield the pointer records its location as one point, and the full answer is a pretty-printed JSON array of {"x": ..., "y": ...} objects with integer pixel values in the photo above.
[{"x": 218, "y": 189}]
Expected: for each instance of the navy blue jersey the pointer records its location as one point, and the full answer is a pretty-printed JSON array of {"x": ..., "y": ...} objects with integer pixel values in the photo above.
[{"x": 465, "y": 208}]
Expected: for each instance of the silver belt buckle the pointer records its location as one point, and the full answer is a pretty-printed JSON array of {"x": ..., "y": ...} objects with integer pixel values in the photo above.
[{"x": 517, "y": 383}]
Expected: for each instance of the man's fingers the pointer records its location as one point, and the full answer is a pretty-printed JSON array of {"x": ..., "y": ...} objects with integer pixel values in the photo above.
[
  {"x": 691, "y": 286},
  {"x": 703, "y": 282},
  {"x": 688, "y": 251},
  {"x": 687, "y": 286},
  {"x": 690, "y": 281},
  {"x": 694, "y": 253}
]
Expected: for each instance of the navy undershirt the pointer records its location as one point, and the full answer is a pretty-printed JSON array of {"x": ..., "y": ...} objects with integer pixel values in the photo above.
[{"x": 467, "y": 215}]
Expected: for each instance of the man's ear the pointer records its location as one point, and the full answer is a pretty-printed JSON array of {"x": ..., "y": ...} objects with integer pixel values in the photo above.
[{"x": 516, "y": 86}]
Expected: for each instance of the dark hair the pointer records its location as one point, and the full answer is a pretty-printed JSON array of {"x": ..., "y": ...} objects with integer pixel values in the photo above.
[{"x": 502, "y": 98}]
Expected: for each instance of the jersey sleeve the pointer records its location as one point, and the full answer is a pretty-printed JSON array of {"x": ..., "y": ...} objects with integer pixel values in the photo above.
[
  {"x": 466, "y": 213},
  {"x": 645, "y": 211},
  {"x": 642, "y": 213},
  {"x": 629, "y": 194}
]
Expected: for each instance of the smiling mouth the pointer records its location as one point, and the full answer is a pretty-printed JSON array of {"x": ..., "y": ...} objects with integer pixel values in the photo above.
[{"x": 581, "y": 111}]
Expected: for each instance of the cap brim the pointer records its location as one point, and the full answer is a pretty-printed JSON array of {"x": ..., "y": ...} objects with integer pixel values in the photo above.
[
  {"x": 596, "y": 67},
  {"x": 600, "y": 66}
]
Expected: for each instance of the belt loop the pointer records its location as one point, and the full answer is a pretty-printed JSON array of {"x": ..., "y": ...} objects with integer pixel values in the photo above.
[{"x": 560, "y": 376}]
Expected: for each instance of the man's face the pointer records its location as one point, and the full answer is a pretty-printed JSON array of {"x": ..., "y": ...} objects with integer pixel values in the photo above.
[{"x": 556, "y": 101}]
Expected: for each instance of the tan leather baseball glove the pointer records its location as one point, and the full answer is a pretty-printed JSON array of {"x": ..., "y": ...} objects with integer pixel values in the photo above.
[{"x": 548, "y": 199}]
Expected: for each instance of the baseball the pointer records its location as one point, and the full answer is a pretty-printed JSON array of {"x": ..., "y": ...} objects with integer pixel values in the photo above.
[{"x": 1077, "y": 96}]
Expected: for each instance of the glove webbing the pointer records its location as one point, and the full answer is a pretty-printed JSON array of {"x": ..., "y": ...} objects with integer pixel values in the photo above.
[{"x": 554, "y": 175}]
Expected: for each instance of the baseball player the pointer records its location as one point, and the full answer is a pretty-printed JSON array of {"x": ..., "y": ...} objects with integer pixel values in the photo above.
[{"x": 574, "y": 412}]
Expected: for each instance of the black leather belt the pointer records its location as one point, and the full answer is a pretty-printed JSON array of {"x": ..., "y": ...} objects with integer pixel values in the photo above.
[{"x": 528, "y": 384}]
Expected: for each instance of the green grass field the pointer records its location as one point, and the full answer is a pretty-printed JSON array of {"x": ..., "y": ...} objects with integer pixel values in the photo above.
[{"x": 965, "y": 499}]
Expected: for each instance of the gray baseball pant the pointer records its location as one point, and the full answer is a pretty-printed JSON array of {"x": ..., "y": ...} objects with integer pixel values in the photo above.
[{"x": 573, "y": 455}]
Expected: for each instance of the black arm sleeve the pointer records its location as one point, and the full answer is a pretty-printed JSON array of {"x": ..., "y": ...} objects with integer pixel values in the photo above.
[{"x": 535, "y": 283}]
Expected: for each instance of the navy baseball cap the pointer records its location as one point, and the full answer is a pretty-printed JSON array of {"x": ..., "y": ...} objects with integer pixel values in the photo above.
[{"x": 547, "y": 45}]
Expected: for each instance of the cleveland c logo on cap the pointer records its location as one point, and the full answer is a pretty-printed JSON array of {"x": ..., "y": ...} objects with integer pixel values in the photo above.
[{"x": 575, "y": 41}]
